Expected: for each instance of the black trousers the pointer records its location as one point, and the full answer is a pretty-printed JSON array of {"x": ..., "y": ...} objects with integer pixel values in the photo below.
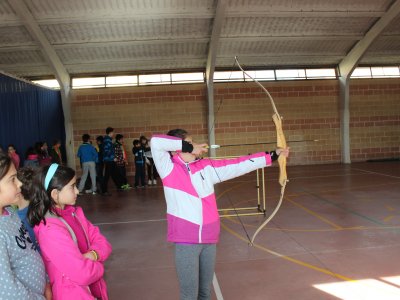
[
  {"x": 110, "y": 170},
  {"x": 139, "y": 175},
  {"x": 100, "y": 176},
  {"x": 122, "y": 173}
]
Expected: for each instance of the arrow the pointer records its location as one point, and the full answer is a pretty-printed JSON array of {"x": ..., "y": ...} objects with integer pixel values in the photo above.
[{"x": 260, "y": 143}]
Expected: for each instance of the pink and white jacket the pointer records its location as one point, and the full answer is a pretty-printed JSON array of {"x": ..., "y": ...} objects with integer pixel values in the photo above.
[
  {"x": 71, "y": 275},
  {"x": 189, "y": 189}
]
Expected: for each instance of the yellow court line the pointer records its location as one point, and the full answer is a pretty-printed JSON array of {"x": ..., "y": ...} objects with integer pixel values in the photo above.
[
  {"x": 387, "y": 219},
  {"x": 325, "y": 220},
  {"x": 230, "y": 189},
  {"x": 389, "y": 208},
  {"x": 293, "y": 260}
]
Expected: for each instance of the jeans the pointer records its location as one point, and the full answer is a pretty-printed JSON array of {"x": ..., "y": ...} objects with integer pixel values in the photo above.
[{"x": 88, "y": 167}]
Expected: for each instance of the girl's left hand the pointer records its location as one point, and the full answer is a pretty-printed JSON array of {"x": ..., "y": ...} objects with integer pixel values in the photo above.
[
  {"x": 284, "y": 152},
  {"x": 89, "y": 255}
]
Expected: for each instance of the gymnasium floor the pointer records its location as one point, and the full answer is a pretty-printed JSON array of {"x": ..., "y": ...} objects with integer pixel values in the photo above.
[{"x": 336, "y": 236}]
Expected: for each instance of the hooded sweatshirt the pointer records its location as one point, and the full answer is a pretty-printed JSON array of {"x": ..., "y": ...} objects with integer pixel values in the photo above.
[{"x": 192, "y": 213}]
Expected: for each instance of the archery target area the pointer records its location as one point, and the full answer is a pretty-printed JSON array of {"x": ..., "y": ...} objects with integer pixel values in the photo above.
[{"x": 336, "y": 236}]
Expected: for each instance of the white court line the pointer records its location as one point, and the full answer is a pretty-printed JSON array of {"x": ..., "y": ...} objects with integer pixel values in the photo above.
[
  {"x": 129, "y": 222},
  {"x": 217, "y": 289},
  {"x": 382, "y": 174}
]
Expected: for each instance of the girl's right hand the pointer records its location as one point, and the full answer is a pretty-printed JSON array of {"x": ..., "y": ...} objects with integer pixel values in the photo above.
[
  {"x": 48, "y": 294},
  {"x": 199, "y": 149}
]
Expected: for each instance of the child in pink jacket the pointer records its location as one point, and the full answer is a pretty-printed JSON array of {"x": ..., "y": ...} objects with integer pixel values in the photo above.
[
  {"x": 192, "y": 215},
  {"x": 73, "y": 250}
]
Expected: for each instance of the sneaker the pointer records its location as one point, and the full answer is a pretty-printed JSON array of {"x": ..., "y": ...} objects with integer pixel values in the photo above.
[
  {"x": 94, "y": 193},
  {"x": 88, "y": 191},
  {"x": 154, "y": 182},
  {"x": 126, "y": 186},
  {"x": 149, "y": 182}
]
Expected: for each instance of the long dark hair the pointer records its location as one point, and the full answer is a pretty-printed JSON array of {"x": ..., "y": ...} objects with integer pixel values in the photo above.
[
  {"x": 180, "y": 133},
  {"x": 5, "y": 164},
  {"x": 41, "y": 200},
  {"x": 25, "y": 175}
]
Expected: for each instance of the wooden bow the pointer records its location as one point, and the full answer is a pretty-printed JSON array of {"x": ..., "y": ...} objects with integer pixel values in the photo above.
[{"x": 281, "y": 143}]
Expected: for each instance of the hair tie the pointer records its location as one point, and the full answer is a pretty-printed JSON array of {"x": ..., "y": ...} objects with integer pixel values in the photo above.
[{"x": 50, "y": 173}]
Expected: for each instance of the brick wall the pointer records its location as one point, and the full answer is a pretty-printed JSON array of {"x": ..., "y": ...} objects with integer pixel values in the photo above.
[{"x": 309, "y": 109}]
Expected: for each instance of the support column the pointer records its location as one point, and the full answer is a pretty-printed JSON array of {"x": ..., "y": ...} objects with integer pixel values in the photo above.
[
  {"x": 212, "y": 53},
  {"x": 344, "y": 110}
]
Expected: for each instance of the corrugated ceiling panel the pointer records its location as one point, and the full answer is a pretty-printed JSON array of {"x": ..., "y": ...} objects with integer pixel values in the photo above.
[
  {"x": 380, "y": 60},
  {"x": 276, "y": 61},
  {"x": 15, "y": 35},
  {"x": 314, "y": 47},
  {"x": 57, "y": 8},
  {"x": 29, "y": 70},
  {"x": 21, "y": 57},
  {"x": 295, "y": 26},
  {"x": 123, "y": 30},
  {"x": 111, "y": 53},
  {"x": 393, "y": 28},
  {"x": 138, "y": 66},
  {"x": 385, "y": 45},
  {"x": 6, "y": 12},
  {"x": 310, "y": 5}
]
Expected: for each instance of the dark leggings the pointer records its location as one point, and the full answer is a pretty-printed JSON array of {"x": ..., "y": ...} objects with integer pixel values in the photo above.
[{"x": 195, "y": 268}]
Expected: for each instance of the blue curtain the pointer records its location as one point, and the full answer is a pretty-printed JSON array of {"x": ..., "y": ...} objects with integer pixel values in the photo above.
[{"x": 29, "y": 114}]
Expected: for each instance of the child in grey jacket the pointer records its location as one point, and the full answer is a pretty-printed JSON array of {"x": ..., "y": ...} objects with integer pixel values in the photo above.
[{"x": 22, "y": 273}]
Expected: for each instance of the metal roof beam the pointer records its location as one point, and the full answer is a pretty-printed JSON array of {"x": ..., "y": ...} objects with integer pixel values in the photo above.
[
  {"x": 56, "y": 65},
  {"x": 49, "y": 53},
  {"x": 346, "y": 68},
  {"x": 348, "y": 64},
  {"x": 210, "y": 68}
]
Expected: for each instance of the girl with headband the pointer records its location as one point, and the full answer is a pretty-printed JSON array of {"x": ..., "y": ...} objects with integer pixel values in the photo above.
[{"x": 73, "y": 249}]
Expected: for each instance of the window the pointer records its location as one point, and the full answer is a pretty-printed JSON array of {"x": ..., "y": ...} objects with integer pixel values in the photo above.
[
  {"x": 50, "y": 83},
  {"x": 90, "y": 82},
  {"x": 222, "y": 76},
  {"x": 228, "y": 76},
  {"x": 121, "y": 81},
  {"x": 187, "y": 77},
  {"x": 154, "y": 79},
  {"x": 320, "y": 73},
  {"x": 260, "y": 75},
  {"x": 290, "y": 74},
  {"x": 385, "y": 72}
]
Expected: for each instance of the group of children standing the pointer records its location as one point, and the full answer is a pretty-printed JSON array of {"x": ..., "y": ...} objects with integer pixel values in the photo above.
[
  {"x": 109, "y": 160},
  {"x": 38, "y": 155},
  {"x": 37, "y": 208}
]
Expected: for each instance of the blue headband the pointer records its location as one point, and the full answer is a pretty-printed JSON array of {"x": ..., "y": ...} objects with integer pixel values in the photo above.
[{"x": 50, "y": 173}]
